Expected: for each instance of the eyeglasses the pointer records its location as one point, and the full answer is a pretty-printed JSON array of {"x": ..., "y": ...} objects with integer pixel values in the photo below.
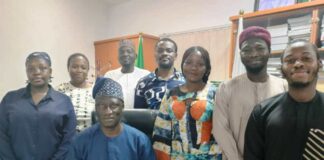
[{"x": 112, "y": 107}]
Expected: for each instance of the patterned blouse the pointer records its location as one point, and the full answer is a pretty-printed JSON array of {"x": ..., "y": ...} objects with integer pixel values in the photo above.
[
  {"x": 183, "y": 127},
  {"x": 82, "y": 101}
]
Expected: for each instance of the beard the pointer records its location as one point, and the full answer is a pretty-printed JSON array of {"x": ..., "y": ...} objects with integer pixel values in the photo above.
[
  {"x": 301, "y": 85},
  {"x": 165, "y": 65},
  {"x": 127, "y": 64},
  {"x": 254, "y": 70}
]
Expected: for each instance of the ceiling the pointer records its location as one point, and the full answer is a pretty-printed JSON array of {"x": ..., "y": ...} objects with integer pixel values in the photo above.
[{"x": 114, "y": 2}]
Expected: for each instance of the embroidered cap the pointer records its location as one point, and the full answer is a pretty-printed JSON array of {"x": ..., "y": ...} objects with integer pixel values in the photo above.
[
  {"x": 107, "y": 87},
  {"x": 255, "y": 32},
  {"x": 126, "y": 43}
]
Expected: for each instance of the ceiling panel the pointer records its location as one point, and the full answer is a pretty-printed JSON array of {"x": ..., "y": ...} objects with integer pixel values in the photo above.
[{"x": 114, "y": 2}]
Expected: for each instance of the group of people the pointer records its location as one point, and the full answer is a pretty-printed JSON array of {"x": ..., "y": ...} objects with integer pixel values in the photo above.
[{"x": 254, "y": 116}]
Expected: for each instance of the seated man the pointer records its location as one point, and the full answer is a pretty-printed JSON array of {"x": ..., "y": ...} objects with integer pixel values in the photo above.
[{"x": 110, "y": 138}]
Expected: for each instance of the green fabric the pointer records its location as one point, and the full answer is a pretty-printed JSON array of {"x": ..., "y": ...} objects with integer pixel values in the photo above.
[
  {"x": 140, "y": 59},
  {"x": 301, "y": 1},
  {"x": 216, "y": 83}
]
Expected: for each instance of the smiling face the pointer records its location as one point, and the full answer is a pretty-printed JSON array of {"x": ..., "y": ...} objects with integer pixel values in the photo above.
[
  {"x": 78, "y": 69},
  {"x": 126, "y": 56},
  {"x": 109, "y": 110},
  {"x": 194, "y": 67},
  {"x": 165, "y": 54},
  {"x": 38, "y": 72},
  {"x": 300, "y": 65},
  {"x": 254, "y": 55}
]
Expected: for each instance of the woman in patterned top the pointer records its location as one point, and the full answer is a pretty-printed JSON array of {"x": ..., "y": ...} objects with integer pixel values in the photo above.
[
  {"x": 183, "y": 126},
  {"x": 79, "y": 89}
]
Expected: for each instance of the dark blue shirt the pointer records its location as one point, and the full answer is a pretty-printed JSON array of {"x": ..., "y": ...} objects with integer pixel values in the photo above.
[
  {"x": 40, "y": 132},
  {"x": 150, "y": 89},
  {"x": 92, "y": 144}
]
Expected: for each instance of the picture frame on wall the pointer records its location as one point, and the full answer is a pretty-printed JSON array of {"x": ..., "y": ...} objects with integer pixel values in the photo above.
[{"x": 269, "y": 4}]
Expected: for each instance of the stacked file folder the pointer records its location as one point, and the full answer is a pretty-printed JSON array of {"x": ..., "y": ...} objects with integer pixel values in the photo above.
[
  {"x": 279, "y": 36},
  {"x": 322, "y": 32},
  {"x": 274, "y": 66},
  {"x": 300, "y": 27}
]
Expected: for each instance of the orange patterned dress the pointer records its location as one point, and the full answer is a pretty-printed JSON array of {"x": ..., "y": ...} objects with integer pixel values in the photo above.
[{"x": 183, "y": 127}]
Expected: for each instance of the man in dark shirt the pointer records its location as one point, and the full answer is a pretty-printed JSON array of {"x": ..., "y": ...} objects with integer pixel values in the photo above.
[
  {"x": 151, "y": 88},
  {"x": 282, "y": 127}
]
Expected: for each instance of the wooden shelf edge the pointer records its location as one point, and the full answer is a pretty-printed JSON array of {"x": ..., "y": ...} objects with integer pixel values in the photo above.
[
  {"x": 321, "y": 49},
  {"x": 276, "y": 52},
  {"x": 126, "y": 37},
  {"x": 280, "y": 9},
  {"x": 150, "y": 36}
]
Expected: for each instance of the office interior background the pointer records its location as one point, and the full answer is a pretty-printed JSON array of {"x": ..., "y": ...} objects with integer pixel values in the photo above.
[{"x": 63, "y": 27}]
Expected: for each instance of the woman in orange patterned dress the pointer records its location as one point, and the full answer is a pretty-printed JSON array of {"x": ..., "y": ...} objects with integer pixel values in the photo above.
[{"x": 183, "y": 126}]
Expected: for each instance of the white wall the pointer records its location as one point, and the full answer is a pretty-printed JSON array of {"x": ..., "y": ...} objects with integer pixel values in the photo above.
[
  {"x": 181, "y": 17},
  {"x": 62, "y": 27},
  {"x": 168, "y": 16},
  {"x": 59, "y": 27}
]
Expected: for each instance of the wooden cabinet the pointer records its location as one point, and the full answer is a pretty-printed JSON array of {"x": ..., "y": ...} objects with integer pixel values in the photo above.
[
  {"x": 106, "y": 52},
  {"x": 278, "y": 16}
]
